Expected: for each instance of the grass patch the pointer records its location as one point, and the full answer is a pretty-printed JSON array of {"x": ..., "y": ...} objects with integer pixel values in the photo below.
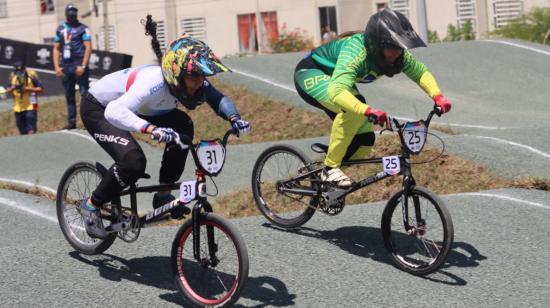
[
  {"x": 447, "y": 174},
  {"x": 33, "y": 190},
  {"x": 271, "y": 120}
]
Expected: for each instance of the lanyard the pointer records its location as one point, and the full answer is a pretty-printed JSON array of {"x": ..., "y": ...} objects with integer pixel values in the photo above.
[{"x": 67, "y": 36}]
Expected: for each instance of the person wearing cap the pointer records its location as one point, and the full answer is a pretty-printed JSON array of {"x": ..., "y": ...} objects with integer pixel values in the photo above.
[
  {"x": 326, "y": 79},
  {"x": 71, "y": 55},
  {"x": 24, "y": 85}
]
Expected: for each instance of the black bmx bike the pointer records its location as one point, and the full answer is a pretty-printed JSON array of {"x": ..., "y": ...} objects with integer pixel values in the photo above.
[
  {"x": 209, "y": 256},
  {"x": 416, "y": 226}
]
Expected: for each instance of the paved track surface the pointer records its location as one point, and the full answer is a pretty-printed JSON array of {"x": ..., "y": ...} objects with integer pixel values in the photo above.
[
  {"x": 501, "y": 237},
  {"x": 499, "y": 259}
]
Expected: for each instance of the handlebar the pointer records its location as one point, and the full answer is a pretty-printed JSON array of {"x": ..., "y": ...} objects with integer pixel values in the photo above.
[
  {"x": 184, "y": 142},
  {"x": 436, "y": 110}
]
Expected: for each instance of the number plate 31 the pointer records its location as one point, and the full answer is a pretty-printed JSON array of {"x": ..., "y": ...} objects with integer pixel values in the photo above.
[{"x": 211, "y": 156}]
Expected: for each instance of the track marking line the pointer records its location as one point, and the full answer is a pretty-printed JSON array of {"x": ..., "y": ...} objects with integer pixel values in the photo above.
[
  {"x": 65, "y": 131},
  {"x": 499, "y": 140},
  {"x": 273, "y": 83},
  {"x": 26, "y": 209},
  {"x": 540, "y": 205},
  {"x": 519, "y": 46}
]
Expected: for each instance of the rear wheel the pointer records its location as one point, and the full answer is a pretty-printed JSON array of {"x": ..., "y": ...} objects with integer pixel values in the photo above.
[
  {"x": 423, "y": 247},
  {"x": 76, "y": 185},
  {"x": 274, "y": 169},
  {"x": 217, "y": 278}
]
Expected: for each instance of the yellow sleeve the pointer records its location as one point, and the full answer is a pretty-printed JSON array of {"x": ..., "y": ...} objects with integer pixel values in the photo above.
[
  {"x": 418, "y": 72},
  {"x": 428, "y": 84}
]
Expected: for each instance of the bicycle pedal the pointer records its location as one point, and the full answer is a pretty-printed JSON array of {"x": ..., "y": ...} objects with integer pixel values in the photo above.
[{"x": 117, "y": 227}]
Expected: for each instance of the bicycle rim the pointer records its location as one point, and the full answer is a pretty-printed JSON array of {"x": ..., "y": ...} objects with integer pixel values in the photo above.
[
  {"x": 423, "y": 248},
  {"x": 203, "y": 284},
  {"x": 79, "y": 185},
  {"x": 283, "y": 208}
]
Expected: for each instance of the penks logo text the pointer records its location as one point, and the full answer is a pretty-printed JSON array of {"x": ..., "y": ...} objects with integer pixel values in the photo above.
[{"x": 111, "y": 138}]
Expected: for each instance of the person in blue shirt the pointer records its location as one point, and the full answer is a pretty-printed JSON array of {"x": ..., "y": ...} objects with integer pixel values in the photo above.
[{"x": 73, "y": 46}]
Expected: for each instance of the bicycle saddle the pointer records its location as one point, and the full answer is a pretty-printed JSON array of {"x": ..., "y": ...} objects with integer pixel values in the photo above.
[{"x": 319, "y": 148}]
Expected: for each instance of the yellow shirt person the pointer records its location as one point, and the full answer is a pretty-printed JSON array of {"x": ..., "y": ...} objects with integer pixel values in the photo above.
[{"x": 24, "y": 86}]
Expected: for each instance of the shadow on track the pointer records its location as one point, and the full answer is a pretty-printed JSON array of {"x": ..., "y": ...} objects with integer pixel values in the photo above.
[
  {"x": 367, "y": 242},
  {"x": 155, "y": 271}
]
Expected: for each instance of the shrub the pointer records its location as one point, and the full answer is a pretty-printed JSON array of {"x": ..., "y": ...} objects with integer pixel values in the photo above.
[{"x": 288, "y": 41}]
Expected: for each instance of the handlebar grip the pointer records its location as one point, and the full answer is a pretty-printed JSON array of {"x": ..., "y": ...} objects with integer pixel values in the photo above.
[
  {"x": 372, "y": 118},
  {"x": 438, "y": 111}
]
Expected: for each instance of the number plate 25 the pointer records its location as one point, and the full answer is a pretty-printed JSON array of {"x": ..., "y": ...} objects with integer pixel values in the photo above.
[
  {"x": 392, "y": 165},
  {"x": 211, "y": 156},
  {"x": 414, "y": 135}
]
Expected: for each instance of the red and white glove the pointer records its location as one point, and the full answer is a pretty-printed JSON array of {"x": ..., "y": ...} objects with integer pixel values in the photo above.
[
  {"x": 378, "y": 117},
  {"x": 442, "y": 102}
]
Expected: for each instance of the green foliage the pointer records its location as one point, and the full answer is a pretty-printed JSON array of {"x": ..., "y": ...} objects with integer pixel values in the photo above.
[
  {"x": 288, "y": 41},
  {"x": 453, "y": 34},
  {"x": 433, "y": 37},
  {"x": 533, "y": 26},
  {"x": 464, "y": 33},
  {"x": 467, "y": 31}
]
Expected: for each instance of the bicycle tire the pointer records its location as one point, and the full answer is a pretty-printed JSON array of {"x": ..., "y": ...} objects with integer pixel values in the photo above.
[
  {"x": 392, "y": 237},
  {"x": 83, "y": 243},
  {"x": 302, "y": 211},
  {"x": 182, "y": 267}
]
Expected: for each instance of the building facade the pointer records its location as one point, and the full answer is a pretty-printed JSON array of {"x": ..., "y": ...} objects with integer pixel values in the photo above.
[{"x": 232, "y": 27}]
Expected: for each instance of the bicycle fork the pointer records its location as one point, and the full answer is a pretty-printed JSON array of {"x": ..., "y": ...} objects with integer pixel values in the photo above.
[
  {"x": 408, "y": 184},
  {"x": 196, "y": 218}
]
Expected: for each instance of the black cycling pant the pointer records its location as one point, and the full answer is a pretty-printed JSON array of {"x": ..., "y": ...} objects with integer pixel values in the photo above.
[{"x": 129, "y": 158}]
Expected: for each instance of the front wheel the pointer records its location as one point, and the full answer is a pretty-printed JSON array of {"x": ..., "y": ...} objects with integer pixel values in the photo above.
[
  {"x": 421, "y": 245},
  {"x": 275, "y": 168},
  {"x": 76, "y": 185},
  {"x": 216, "y": 279}
]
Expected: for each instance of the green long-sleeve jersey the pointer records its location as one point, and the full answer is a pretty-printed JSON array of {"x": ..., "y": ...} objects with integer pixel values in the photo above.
[{"x": 348, "y": 62}]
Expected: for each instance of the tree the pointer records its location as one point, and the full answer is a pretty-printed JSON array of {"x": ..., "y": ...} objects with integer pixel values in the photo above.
[
  {"x": 453, "y": 34},
  {"x": 467, "y": 31},
  {"x": 433, "y": 37},
  {"x": 533, "y": 26}
]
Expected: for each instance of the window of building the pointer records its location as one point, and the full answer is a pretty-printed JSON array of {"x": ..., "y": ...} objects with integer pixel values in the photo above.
[
  {"x": 111, "y": 44},
  {"x": 466, "y": 10},
  {"x": 505, "y": 11},
  {"x": 47, "y": 6},
  {"x": 161, "y": 34},
  {"x": 327, "y": 17},
  {"x": 401, "y": 6},
  {"x": 249, "y": 31},
  {"x": 196, "y": 27},
  {"x": 3, "y": 8}
]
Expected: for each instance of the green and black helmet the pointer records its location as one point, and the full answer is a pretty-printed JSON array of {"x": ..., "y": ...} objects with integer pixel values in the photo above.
[{"x": 390, "y": 29}]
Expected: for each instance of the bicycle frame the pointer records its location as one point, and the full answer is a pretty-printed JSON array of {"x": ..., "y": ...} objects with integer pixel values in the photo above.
[
  {"x": 200, "y": 204},
  {"x": 408, "y": 179}
]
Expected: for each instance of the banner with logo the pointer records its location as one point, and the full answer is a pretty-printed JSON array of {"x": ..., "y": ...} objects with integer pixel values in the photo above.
[
  {"x": 11, "y": 51},
  {"x": 103, "y": 62},
  {"x": 40, "y": 56}
]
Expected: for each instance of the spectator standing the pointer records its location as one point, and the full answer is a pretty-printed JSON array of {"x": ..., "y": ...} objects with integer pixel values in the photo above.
[
  {"x": 73, "y": 45},
  {"x": 24, "y": 85},
  {"x": 328, "y": 34}
]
